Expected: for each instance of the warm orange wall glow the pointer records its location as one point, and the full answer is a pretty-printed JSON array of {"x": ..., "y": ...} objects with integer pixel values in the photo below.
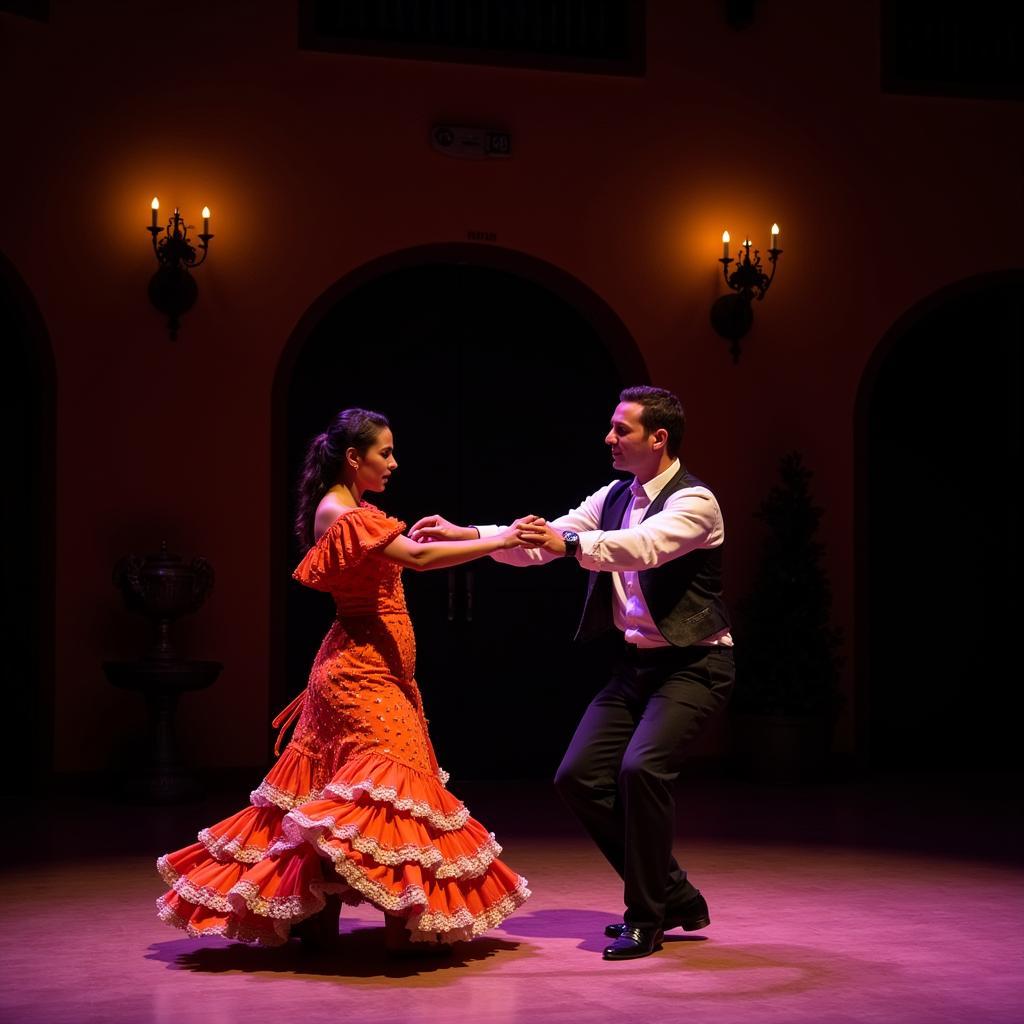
[{"x": 625, "y": 184}]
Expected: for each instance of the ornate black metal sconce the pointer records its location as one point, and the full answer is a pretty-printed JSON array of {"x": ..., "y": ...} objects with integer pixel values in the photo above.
[
  {"x": 732, "y": 315},
  {"x": 172, "y": 289}
]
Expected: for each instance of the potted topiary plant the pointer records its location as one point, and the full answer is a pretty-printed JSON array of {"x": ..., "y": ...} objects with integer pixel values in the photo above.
[{"x": 787, "y": 651}]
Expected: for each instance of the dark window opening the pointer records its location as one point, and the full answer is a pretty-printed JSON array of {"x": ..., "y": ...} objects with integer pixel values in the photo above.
[{"x": 589, "y": 36}]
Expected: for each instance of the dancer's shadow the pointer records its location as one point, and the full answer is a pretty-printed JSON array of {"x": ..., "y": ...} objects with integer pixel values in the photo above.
[
  {"x": 573, "y": 923},
  {"x": 357, "y": 953}
]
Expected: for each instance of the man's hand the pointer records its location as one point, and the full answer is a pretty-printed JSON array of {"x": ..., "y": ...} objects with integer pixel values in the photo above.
[
  {"x": 438, "y": 528},
  {"x": 537, "y": 534},
  {"x": 511, "y": 535}
]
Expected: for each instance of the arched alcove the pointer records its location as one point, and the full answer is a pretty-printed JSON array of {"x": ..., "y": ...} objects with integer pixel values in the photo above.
[
  {"x": 28, "y": 411},
  {"x": 939, "y": 416},
  {"x": 499, "y": 373}
]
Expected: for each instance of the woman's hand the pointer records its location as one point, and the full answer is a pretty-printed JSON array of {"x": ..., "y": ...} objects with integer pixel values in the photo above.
[
  {"x": 438, "y": 528},
  {"x": 536, "y": 533},
  {"x": 511, "y": 536}
]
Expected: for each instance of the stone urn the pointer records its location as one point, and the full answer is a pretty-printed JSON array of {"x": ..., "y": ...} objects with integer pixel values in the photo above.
[{"x": 163, "y": 587}]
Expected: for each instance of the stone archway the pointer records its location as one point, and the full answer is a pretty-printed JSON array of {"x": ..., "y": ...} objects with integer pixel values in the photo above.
[
  {"x": 430, "y": 337},
  {"x": 28, "y": 530},
  {"x": 938, "y": 591}
]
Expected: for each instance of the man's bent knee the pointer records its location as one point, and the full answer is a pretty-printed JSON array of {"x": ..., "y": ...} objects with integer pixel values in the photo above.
[
  {"x": 642, "y": 771},
  {"x": 566, "y": 778}
]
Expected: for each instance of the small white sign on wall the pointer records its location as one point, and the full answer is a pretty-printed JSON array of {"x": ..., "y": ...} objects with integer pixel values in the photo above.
[{"x": 470, "y": 143}]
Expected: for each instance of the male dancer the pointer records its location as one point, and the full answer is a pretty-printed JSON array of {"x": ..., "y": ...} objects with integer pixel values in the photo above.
[{"x": 653, "y": 546}]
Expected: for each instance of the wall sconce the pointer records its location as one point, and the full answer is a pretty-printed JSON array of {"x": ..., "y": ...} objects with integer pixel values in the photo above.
[
  {"x": 732, "y": 315},
  {"x": 172, "y": 288}
]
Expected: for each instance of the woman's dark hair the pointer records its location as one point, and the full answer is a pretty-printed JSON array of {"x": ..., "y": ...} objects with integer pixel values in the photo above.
[
  {"x": 660, "y": 409},
  {"x": 351, "y": 428}
]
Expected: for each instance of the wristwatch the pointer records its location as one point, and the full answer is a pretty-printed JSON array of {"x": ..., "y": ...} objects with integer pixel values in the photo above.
[{"x": 572, "y": 543}]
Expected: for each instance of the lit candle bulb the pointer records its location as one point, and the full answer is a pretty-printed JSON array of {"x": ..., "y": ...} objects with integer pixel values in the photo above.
[
  {"x": 155, "y": 205},
  {"x": 725, "y": 245},
  {"x": 206, "y": 220},
  {"x": 775, "y": 236}
]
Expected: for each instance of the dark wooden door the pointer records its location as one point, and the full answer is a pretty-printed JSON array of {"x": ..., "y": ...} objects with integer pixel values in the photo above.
[
  {"x": 943, "y": 538},
  {"x": 499, "y": 394}
]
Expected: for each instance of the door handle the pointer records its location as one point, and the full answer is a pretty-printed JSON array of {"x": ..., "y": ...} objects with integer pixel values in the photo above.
[
  {"x": 469, "y": 595},
  {"x": 451, "y": 595}
]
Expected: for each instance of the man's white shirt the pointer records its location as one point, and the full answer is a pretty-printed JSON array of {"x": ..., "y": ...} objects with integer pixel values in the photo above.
[{"x": 689, "y": 521}]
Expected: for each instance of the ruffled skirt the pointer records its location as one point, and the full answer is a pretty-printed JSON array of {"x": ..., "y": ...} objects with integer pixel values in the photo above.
[{"x": 379, "y": 831}]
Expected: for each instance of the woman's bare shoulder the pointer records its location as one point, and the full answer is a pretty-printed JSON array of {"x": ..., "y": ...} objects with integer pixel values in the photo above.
[{"x": 328, "y": 512}]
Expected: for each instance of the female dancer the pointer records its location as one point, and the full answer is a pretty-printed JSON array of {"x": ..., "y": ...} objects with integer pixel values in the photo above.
[{"x": 356, "y": 807}]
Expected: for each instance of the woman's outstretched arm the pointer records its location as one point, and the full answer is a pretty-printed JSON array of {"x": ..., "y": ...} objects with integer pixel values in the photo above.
[{"x": 442, "y": 554}]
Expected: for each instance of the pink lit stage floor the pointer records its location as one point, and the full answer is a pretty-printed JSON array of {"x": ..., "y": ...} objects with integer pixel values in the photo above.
[{"x": 814, "y": 930}]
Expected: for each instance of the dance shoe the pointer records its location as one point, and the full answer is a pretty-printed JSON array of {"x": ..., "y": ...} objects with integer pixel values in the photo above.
[
  {"x": 634, "y": 943},
  {"x": 691, "y": 916}
]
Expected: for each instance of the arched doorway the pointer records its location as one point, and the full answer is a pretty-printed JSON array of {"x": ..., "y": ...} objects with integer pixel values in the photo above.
[
  {"x": 940, "y": 419},
  {"x": 499, "y": 373},
  {"x": 27, "y": 417}
]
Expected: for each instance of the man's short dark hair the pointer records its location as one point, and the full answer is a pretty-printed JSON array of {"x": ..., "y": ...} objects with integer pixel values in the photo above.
[{"x": 661, "y": 410}]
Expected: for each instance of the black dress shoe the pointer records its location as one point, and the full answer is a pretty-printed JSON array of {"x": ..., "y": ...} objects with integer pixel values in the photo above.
[
  {"x": 634, "y": 943},
  {"x": 691, "y": 916}
]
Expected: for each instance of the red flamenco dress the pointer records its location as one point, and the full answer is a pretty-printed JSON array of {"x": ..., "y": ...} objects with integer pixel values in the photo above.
[{"x": 356, "y": 804}]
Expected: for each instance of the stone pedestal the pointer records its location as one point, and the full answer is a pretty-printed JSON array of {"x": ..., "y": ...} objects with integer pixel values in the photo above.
[
  {"x": 163, "y": 777},
  {"x": 162, "y": 587}
]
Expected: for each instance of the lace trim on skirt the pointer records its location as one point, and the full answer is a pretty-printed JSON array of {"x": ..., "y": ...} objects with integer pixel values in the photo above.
[
  {"x": 388, "y": 794},
  {"x": 225, "y": 848},
  {"x": 298, "y": 827},
  {"x": 232, "y": 928},
  {"x": 426, "y": 925},
  {"x": 267, "y": 794},
  {"x": 245, "y": 895},
  {"x": 200, "y": 895},
  {"x": 463, "y": 926}
]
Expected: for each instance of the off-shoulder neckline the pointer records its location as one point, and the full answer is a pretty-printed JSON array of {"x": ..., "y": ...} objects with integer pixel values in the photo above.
[{"x": 363, "y": 506}]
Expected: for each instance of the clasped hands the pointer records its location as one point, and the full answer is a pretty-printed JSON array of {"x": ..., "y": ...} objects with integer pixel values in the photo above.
[{"x": 526, "y": 532}]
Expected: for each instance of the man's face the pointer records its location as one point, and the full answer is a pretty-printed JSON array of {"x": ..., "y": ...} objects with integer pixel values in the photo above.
[{"x": 632, "y": 448}]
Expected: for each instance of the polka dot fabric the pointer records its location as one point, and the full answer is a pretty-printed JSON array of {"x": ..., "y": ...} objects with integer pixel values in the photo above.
[{"x": 356, "y": 804}]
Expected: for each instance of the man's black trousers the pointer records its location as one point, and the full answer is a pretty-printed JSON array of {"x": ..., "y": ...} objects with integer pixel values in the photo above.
[{"x": 618, "y": 773}]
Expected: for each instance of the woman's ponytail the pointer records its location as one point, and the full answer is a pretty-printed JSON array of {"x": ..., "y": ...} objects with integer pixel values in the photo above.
[{"x": 322, "y": 465}]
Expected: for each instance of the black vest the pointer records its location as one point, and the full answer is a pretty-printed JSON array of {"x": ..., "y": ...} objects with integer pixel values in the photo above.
[{"x": 684, "y": 596}]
